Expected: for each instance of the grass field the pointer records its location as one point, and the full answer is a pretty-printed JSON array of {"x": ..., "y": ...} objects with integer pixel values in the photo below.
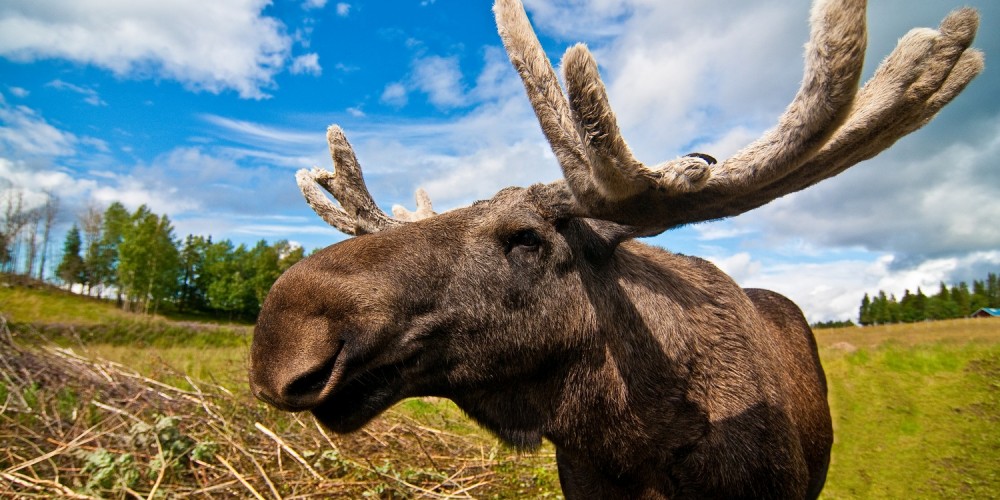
[
  {"x": 916, "y": 412},
  {"x": 916, "y": 419}
]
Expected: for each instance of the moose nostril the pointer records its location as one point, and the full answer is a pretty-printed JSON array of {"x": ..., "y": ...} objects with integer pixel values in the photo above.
[{"x": 306, "y": 389}]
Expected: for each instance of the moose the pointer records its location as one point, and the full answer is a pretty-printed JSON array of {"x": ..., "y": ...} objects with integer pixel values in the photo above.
[{"x": 539, "y": 314}]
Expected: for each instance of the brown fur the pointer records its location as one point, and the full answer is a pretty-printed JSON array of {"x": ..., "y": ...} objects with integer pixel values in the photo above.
[{"x": 654, "y": 374}]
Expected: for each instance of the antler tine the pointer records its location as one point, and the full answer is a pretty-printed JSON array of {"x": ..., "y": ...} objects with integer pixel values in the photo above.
[
  {"x": 616, "y": 173},
  {"x": 542, "y": 86},
  {"x": 423, "y": 211},
  {"x": 834, "y": 60},
  {"x": 924, "y": 73},
  {"x": 358, "y": 213},
  {"x": 597, "y": 164}
]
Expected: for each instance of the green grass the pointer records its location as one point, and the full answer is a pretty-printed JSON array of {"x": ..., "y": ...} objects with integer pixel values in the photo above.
[
  {"x": 53, "y": 305},
  {"x": 916, "y": 407},
  {"x": 916, "y": 420}
]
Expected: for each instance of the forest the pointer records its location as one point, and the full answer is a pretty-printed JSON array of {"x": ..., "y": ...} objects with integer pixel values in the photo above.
[
  {"x": 135, "y": 259},
  {"x": 957, "y": 301}
]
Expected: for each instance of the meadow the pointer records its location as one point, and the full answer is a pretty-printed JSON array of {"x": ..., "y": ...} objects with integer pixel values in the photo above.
[{"x": 97, "y": 403}]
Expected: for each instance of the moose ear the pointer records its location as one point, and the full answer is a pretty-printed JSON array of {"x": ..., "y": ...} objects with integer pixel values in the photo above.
[{"x": 600, "y": 238}]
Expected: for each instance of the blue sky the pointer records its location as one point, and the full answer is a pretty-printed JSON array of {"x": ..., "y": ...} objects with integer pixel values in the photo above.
[{"x": 204, "y": 110}]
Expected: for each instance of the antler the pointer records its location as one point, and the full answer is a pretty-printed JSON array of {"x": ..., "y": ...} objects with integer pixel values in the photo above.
[
  {"x": 824, "y": 131},
  {"x": 357, "y": 213},
  {"x": 828, "y": 127}
]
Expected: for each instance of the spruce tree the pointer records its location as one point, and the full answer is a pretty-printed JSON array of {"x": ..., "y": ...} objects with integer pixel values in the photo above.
[{"x": 71, "y": 269}]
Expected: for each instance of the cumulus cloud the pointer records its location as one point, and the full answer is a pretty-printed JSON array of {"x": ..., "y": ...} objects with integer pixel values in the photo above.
[
  {"x": 343, "y": 9},
  {"x": 308, "y": 63},
  {"x": 207, "y": 46},
  {"x": 394, "y": 94},
  {"x": 34, "y": 181},
  {"x": 437, "y": 77},
  {"x": 441, "y": 79},
  {"x": 832, "y": 289}
]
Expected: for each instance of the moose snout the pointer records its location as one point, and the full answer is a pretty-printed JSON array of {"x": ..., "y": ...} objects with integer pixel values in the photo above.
[{"x": 292, "y": 362}]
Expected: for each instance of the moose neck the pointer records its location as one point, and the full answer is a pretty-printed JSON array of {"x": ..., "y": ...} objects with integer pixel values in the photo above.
[{"x": 620, "y": 379}]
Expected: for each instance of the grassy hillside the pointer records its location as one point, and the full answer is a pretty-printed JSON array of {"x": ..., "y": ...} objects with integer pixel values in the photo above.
[
  {"x": 915, "y": 419},
  {"x": 915, "y": 411}
]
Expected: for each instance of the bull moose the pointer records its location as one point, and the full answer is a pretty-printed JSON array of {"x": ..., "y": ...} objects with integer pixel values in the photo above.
[{"x": 539, "y": 314}]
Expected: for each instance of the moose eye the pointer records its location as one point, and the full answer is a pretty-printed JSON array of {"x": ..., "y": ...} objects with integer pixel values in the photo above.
[{"x": 527, "y": 238}]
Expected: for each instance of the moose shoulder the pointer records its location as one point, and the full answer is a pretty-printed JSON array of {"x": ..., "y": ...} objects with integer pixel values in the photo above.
[{"x": 536, "y": 311}]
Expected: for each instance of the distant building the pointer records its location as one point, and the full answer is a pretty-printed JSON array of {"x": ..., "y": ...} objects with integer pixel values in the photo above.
[{"x": 987, "y": 312}]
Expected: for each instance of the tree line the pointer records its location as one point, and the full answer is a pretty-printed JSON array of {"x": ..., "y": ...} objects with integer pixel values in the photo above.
[
  {"x": 135, "y": 257},
  {"x": 958, "y": 301}
]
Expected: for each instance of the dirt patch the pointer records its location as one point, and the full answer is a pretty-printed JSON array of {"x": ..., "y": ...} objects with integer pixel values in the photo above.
[{"x": 844, "y": 347}]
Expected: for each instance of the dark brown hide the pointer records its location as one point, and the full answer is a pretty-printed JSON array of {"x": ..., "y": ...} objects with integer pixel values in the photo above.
[{"x": 653, "y": 373}]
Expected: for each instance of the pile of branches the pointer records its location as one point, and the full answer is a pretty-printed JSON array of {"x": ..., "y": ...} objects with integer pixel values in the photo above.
[{"x": 84, "y": 428}]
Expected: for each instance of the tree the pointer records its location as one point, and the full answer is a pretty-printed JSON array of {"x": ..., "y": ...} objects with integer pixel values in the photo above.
[
  {"x": 70, "y": 269},
  {"x": 942, "y": 305},
  {"x": 865, "y": 312},
  {"x": 14, "y": 220},
  {"x": 116, "y": 222},
  {"x": 962, "y": 298},
  {"x": 230, "y": 291},
  {"x": 194, "y": 280},
  {"x": 147, "y": 260},
  {"x": 993, "y": 290},
  {"x": 980, "y": 296},
  {"x": 95, "y": 271},
  {"x": 34, "y": 218},
  {"x": 49, "y": 212}
]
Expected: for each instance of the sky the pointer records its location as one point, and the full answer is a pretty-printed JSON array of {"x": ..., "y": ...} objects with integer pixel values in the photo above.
[{"x": 205, "y": 110}]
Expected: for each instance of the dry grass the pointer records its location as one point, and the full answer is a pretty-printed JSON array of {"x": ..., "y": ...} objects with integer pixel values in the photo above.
[
  {"x": 958, "y": 331},
  {"x": 80, "y": 428}
]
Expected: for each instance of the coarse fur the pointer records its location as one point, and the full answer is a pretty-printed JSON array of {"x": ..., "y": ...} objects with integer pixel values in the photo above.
[
  {"x": 537, "y": 312},
  {"x": 654, "y": 374}
]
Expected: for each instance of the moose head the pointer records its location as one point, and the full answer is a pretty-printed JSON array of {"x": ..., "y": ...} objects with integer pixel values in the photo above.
[{"x": 537, "y": 312}]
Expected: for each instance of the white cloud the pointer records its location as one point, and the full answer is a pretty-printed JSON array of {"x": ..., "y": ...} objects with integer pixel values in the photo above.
[
  {"x": 207, "y": 46},
  {"x": 343, "y": 9},
  {"x": 940, "y": 203},
  {"x": 263, "y": 136},
  {"x": 18, "y": 92},
  {"x": 575, "y": 19},
  {"x": 133, "y": 192},
  {"x": 24, "y": 133},
  {"x": 720, "y": 231},
  {"x": 308, "y": 63},
  {"x": 740, "y": 266},
  {"x": 35, "y": 181},
  {"x": 441, "y": 79},
  {"x": 394, "y": 94},
  {"x": 832, "y": 290},
  {"x": 463, "y": 179},
  {"x": 90, "y": 96},
  {"x": 314, "y": 4}
]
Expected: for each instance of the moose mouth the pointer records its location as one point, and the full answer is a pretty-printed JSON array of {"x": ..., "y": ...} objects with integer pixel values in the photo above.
[{"x": 359, "y": 399}]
